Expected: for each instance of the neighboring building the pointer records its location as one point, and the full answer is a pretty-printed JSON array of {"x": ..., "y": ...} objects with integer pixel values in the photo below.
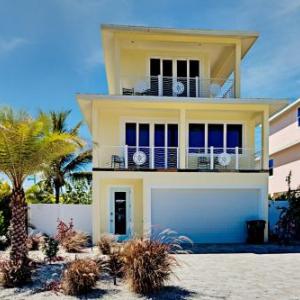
[
  {"x": 174, "y": 140},
  {"x": 285, "y": 148}
]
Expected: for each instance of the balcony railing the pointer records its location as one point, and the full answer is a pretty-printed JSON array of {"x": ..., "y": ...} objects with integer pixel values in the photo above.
[
  {"x": 177, "y": 87},
  {"x": 143, "y": 158}
]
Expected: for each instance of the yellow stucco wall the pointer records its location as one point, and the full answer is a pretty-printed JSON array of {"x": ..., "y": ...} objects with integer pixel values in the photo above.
[
  {"x": 142, "y": 182},
  {"x": 101, "y": 198}
]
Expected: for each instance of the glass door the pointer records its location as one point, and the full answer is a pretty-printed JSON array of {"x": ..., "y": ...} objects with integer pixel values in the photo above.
[{"x": 120, "y": 212}]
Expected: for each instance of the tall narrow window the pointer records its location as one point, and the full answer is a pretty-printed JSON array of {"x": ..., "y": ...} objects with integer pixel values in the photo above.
[
  {"x": 196, "y": 138},
  {"x": 194, "y": 76},
  {"x": 130, "y": 138},
  {"x": 298, "y": 116},
  {"x": 154, "y": 72},
  {"x": 234, "y": 137},
  {"x": 182, "y": 74},
  {"x": 216, "y": 137}
]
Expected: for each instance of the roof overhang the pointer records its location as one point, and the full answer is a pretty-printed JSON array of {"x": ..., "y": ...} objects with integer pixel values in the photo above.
[
  {"x": 284, "y": 110},
  {"x": 86, "y": 102}
]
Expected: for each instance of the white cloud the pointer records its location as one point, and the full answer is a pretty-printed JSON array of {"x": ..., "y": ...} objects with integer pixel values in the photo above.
[{"x": 8, "y": 45}]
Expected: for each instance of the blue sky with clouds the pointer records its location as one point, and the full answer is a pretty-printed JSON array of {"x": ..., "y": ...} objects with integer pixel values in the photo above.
[{"x": 51, "y": 49}]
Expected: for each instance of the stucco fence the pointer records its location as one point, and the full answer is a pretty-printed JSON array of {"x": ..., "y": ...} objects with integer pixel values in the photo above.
[{"x": 44, "y": 216}]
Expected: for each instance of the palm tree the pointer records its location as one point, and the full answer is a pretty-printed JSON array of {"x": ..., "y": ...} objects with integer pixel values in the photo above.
[
  {"x": 27, "y": 145},
  {"x": 72, "y": 166}
]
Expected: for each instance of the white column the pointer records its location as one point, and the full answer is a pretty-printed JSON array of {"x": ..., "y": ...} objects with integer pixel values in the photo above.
[
  {"x": 236, "y": 158},
  {"x": 211, "y": 157},
  {"x": 237, "y": 73},
  {"x": 182, "y": 139},
  {"x": 265, "y": 140}
]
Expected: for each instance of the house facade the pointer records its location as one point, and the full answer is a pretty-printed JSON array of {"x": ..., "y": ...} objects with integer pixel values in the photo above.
[
  {"x": 174, "y": 140},
  {"x": 285, "y": 149}
]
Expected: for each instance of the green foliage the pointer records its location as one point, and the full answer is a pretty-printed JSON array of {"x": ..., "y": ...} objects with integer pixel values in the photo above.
[
  {"x": 72, "y": 166},
  {"x": 79, "y": 192},
  {"x": 5, "y": 211},
  {"x": 288, "y": 226},
  {"x": 39, "y": 193},
  {"x": 50, "y": 248}
]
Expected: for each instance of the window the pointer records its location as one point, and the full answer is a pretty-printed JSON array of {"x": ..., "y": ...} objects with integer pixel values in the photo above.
[
  {"x": 271, "y": 167},
  {"x": 196, "y": 137},
  {"x": 298, "y": 116},
  {"x": 234, "y": 137},
  {"x": 216, "y": 136}
]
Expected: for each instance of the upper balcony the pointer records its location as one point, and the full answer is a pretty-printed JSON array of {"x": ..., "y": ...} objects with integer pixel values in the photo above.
[
  {"x": 142, "y": 61},
  {"x": 177, "y": 87}
]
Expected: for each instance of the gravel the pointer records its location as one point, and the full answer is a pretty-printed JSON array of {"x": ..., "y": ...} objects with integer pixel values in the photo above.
[{"x": 199, "y": 276}]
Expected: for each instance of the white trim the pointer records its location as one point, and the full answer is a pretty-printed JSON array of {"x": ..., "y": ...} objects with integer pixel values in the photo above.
[
  {"x": 287, "y": 108},
  {"x": 129, "y": 190}
]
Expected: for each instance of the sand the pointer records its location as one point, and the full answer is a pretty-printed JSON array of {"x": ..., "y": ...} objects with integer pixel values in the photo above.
[{"x": 199, "y": 276}]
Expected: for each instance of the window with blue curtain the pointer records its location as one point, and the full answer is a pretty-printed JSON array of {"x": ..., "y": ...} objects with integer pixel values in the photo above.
[
  {"x": 144, "y": 135},
  {"x": 298, "y": 116},
  {"x": 159, "y": 143},
  {"x": 234, "y": 137},
  {"x": 130, "y": 136},
  {"x": 172, "y": 135},
  {"x": 196, "y": 138},
  {"x": 216, "y": 137}
]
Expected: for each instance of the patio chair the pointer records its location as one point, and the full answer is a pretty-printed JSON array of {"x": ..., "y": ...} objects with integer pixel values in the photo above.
[
  {"x": 117, "y": 160},
  {"x": 128, "y": 92},
  {"x": 203, "y": 162}
]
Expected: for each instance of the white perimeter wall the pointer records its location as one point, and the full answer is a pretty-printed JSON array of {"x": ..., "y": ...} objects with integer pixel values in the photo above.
[{"x": 44, "y": 216}]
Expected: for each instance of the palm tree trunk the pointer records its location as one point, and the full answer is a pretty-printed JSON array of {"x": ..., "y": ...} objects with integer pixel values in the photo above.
[
  {"x": 18, "y": 229},
  {"x": 57, "y": 193}
]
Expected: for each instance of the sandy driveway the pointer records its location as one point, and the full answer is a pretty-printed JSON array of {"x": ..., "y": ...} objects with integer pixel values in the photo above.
[{"x": 205, "y": 276}]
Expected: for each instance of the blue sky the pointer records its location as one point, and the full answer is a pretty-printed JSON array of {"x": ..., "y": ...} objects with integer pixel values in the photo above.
[{"x": 51, "y": 49}]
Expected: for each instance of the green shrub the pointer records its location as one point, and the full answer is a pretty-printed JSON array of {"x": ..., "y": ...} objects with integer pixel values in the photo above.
[
  {"x": 14, "y": 274},
  {"x": 80, "y": 276},
  {"x": 50, "y": 248}
]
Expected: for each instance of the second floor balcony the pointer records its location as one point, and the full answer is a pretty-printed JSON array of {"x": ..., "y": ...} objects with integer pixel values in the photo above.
[
  {"x": 141, "y": 158},
  {"x": 171, "y": 86}
]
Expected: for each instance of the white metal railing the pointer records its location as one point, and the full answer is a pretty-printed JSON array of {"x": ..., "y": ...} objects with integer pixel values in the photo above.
[
  {"x": 213, "y": 158},
  {"x": 177, "y": 86},
  {"x": 142, "y": 157}
]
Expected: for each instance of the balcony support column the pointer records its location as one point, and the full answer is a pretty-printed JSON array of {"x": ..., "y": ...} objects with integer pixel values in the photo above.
[
  {"x": 182, "y": 139},
  {"x": 237, "y": 72},
  {"x": 265, "y": 139}
]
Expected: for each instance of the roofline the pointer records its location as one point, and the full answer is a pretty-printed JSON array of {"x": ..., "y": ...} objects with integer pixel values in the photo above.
[
  {"x": 168, "y": 30},
  {"x": 287, "y": 108}
]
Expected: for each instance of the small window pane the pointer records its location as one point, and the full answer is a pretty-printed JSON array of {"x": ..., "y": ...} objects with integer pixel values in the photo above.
[
  {"x": 144, "y": 135},
  {"x": 298, "y": 116},
  {"x": 234, "y": 136},
  {"x": 154, "y": 67},
  {"x": 196, "y": 136},
  {"x": 172, "y": 135},
  {"x": 159, "y": 135},
  {"x": 130, "y": 134},
  {"x": 271, "y": 167},
  {"x": 215, "y": 136},
  {"x": 194, "y": 68}
]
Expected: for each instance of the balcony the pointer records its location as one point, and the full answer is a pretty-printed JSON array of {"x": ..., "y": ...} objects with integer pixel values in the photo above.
[
  {"x": 167, "y": 158},
  {"x": 178, "y": 87}
]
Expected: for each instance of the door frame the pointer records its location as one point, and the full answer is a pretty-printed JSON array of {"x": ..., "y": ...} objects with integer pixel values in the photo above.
[{"x": 129, "y": 211}]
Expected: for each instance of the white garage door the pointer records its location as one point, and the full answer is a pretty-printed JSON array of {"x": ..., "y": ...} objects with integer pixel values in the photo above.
[{"x": 205, "y": 215}]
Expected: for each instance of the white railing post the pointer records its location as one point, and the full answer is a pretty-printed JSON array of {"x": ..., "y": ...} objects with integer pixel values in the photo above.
[
  {"x": 126, "y": 156},
  {"x": 160, "y": 85},
  {"x": 188, "y": 86},
  {"x": 236, "y": 158},
  {"x": 211, "y": 157},
  {"x": 197, "y": 86},
  {"x": 166, "y": 157},
  {"x": 152, "y": 157}
]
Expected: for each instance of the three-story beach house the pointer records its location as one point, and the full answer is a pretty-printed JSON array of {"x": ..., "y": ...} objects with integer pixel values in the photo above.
[{"x": 174, "y": 140}]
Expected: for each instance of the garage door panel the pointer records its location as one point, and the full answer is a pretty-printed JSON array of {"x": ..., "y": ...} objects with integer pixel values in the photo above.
[{"x": 204, "y": 215}]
